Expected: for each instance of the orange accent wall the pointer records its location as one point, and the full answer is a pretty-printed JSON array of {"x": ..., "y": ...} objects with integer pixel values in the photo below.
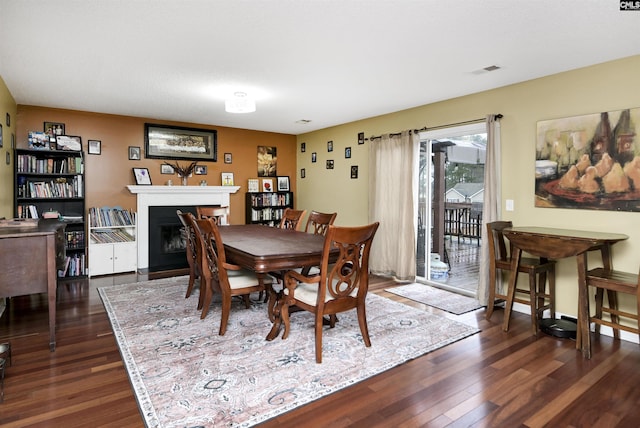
[{"x": 108, "y": 174}]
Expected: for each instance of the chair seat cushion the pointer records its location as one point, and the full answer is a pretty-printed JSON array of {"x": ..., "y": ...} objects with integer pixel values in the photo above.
[
  {"x": 308, "y": 293},
  {"x": 245, "y": 278}
]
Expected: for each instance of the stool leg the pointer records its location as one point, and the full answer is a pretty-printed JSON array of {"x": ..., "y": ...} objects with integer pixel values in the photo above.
[
  {"x": 533, "y": 302},
  {"x": 2, "y": 364},
  {"x": 612, "y": 296},
  {"x": 492, "y": 294},
  {"x": 5, "y": 351}
]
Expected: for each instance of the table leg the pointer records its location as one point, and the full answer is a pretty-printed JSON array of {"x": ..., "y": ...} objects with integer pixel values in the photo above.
[
  {"x": 52, "y": 284},
  {"x": 583, "y": 338},
  {"x": 516, "y": 253}
]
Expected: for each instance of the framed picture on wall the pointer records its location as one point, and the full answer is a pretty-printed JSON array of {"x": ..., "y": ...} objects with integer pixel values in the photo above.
[
  {"x": 283, "y": 184},
  {"x": 94, "y": 147},
  {"x": 134, "y": 153}
]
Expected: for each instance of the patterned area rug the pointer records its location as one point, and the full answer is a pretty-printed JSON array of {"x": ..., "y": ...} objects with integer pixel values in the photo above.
[
  {"x": 184, "y": 374},
  {"x": 447, "y": 301}
]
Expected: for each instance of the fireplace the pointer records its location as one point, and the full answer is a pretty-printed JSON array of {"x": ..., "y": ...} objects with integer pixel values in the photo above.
[
  {"x": 166, "y": 242},
  {"x": 176, "y": 197}
]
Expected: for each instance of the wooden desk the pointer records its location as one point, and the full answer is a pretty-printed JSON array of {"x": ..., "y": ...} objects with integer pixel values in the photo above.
[
  {"x": 553, "y": 243},
  {"x": 28, "y": 266}
]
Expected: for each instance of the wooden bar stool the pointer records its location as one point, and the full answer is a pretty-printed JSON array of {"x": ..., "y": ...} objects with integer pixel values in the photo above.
[
  {"x": 538, "y": 269},
  {"x": 614, "y": 282}
]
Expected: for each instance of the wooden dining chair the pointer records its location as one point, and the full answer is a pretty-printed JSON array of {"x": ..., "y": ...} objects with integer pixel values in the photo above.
[
  {"x": 614, "y": 282},
  {"x": 219, "y": 214},
  {"x": 339, "y": 286},
  {"x": 189, "y": 234},
  {"x": 220, "y": 276},
  {"x": 319, "y": 222},
  {"x": 538, "y": 269},
  {"x": 291, "y": 219}
]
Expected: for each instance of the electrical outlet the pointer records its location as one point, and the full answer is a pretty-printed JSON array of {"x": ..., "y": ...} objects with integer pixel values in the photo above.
[{"x": 509, "y": 204}]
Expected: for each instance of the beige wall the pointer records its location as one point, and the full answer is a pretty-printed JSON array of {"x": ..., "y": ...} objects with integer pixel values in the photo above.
[
  {"x": 7, "y": 105},
  {"x": 108, "y": 174},
  {"x": 605, "y": 87}
]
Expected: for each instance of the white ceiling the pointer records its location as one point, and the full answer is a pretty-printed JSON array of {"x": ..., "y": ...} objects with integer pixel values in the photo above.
[{"x": 326, "y": 61}]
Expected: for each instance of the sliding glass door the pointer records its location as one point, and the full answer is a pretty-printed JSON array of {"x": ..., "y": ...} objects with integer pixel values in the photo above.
[{"x": 451, "y": 186}]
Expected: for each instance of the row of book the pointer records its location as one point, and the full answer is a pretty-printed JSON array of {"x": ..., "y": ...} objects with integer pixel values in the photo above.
[
  {"x": 28, "y": 211},
  {"x": 267, "y": 214},
  {"x": 75, "y": 265},
  {"x": 107, "y": 216},
  {"x": 36, "y": 165},
  {"x": 59, "y": 188},
  {"x": 271, "y": 199},
  {"x": 110, "y": 236},
  {"x": 74, "y": 239}
]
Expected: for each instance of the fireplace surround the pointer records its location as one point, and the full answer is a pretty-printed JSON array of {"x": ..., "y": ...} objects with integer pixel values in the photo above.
[{"x": 172, "y": 196}]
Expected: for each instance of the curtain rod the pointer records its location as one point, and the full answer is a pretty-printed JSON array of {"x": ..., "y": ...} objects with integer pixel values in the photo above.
[{"x": 466, "y": 122}]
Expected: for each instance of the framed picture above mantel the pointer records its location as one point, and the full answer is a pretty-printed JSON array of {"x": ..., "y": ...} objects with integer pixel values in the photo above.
[{"x": 172, "y": 142}]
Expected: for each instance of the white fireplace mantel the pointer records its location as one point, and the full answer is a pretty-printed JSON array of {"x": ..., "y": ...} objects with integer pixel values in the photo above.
[{"x": 154, "y": 196}]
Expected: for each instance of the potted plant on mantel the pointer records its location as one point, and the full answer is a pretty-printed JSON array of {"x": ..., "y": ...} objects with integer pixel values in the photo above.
[{"x": 183, "y": 171}]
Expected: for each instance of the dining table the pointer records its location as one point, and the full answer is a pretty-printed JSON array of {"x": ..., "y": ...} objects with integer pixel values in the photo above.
[
  {"x": 263, "y": 249},
  {"x": 559, "y": 243}
]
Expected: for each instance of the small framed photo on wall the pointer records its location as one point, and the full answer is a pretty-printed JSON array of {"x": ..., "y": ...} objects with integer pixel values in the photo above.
[
  {"x": 227, "y": 158},
  {"x": 134, "y": 153},
  {"x": 94, "y": 147}
]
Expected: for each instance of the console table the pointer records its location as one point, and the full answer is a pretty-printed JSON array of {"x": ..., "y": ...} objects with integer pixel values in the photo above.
[{"x": 28, "y": 266}]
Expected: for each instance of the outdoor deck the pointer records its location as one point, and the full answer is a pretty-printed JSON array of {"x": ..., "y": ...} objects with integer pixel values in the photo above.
[{"x": 464, "y": 263}]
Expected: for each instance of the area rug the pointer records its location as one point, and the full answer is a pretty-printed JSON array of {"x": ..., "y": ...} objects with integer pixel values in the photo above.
[
  {"x": 447, "y": 301},
  {"x": 184, "y": 374}
]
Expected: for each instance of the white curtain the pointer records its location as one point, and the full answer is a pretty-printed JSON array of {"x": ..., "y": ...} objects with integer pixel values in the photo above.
[
  {"x": 492, "y": 199},
  {"x": 393, "y": 197}
]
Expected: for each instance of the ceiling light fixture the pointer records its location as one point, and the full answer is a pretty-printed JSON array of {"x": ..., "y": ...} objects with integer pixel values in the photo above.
[{"x": 240, "y": 103}]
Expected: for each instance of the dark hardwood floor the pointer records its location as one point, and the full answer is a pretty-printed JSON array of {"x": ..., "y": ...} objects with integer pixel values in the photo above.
[{"x": 492, "y": 379}]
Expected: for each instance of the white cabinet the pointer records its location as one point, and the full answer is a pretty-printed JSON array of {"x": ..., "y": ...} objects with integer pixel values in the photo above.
[
  {"x": 112, "y": 241},
  {"x": 118, "y": 257}
]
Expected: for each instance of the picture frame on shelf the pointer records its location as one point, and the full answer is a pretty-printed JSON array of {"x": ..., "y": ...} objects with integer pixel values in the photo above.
[
  {"x": 267, "y": 185},
  {"x": 253, "y": 185},
  {"x": 166, "y": 169},
  {"x": 142, "y": 176},
  {"x": 283, "y": 184},
  {"x": 134, "y": 153},
  {"x": 173, "y": 142},
  {"x": 69, "y": 142},
  {"x": 227, "y": 179},
  {"x": 227, "y": 158},
  {"x": 54, "y": 128},
  {"x": 94, "y": 147},
  {"x": 200, "y": 170}
]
